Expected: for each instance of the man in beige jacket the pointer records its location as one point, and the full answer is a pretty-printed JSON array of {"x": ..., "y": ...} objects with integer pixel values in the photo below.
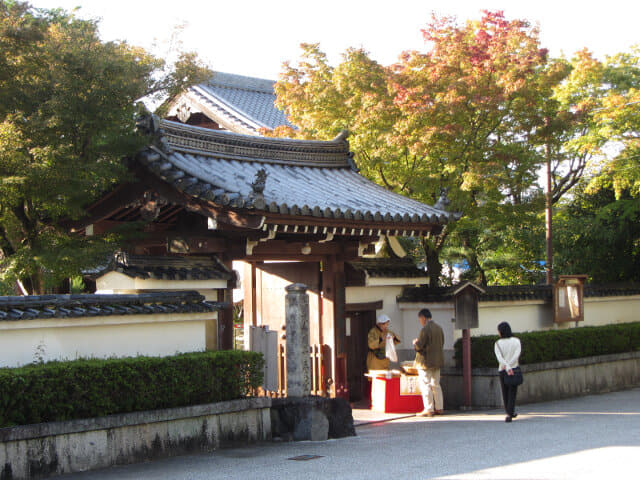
[{"x": 429, "y": 360}]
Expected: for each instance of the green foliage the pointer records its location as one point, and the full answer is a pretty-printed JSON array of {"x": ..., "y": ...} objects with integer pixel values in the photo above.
[
  {"x": 618, "y": 121},
  {"x": 67, "y": 117},
  {"x": 76, "y": 285},
  {"x": 598, "y": 233},
  {"x": 554, "y": 345},
  {"x": 459, "y": 116},
  {"x": 480, "y": 112},
  {"x": 55, "y": 391}
]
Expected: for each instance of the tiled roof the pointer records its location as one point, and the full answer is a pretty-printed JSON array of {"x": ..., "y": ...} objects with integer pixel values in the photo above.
[
  {"x": 94, "y": 305},
  {"x": 491, "y": 294},
  {"x": 168, "y": 268},
  {"x": 611, "y": 290},
  {"x": 515, "y": 292},
  {"x": 244, "y": 104},
  {"x": 388, "y": 267},
  {"x": 299, "y": 177}
]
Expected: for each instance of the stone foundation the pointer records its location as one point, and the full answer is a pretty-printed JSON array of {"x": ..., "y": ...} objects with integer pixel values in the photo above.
[
  {"x": 35, "y": 451},
  {"x": 546, "y": 381}
]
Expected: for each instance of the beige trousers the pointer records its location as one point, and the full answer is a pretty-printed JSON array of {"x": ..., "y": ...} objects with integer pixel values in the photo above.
[{"x": 429, "y": 381}]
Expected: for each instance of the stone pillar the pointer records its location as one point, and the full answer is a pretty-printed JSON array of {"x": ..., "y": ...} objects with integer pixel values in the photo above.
[{"x": 297, "y": 332}]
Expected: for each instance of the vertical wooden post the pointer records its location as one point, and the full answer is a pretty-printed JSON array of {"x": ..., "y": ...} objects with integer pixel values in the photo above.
[
  {"x": 225, "y": 316},
  {"x": 333, "y": 322},
  {"x": 466, "y": 365},
  {"x": 328, "y": 324}
]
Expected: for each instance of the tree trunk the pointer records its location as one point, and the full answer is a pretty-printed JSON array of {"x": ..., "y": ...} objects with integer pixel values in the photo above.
[{"x": 434, "y": 266}]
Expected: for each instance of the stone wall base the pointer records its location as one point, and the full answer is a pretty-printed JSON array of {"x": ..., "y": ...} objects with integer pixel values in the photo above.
[
  {"x": 547, "y": 381},
  {"x": 35, "y": 451}
]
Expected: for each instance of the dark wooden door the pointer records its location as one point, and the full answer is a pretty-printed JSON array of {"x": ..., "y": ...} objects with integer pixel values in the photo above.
[
  {"x": 271, "y": 280},
  {"x": 358, "y": 326}
]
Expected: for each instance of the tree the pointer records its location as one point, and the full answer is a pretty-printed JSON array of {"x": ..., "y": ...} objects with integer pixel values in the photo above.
[
  {"x": 597, "y": 227},
  {"x": 598, "y": 232},
  {"x": 67, "y": 114},
  {"x": 618, "y": 121},
  {"x": 458, "y": 117}
]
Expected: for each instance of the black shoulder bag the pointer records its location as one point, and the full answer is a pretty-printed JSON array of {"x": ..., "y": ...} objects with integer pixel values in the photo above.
[{"x": 515, "y": 379}]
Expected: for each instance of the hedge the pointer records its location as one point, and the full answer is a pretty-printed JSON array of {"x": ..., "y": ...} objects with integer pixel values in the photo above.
[
  {"x": 89, "y": 388},
  {"x": 553, "y": 345}
]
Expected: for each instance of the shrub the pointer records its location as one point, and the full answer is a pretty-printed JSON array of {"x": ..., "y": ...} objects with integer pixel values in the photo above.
[
  {"x": 91, "y": 388},
  {"x": 552, "y": 345}
]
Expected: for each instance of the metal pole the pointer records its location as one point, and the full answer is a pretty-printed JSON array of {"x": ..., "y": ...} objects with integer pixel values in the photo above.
[{"x": 549, "y": 218}]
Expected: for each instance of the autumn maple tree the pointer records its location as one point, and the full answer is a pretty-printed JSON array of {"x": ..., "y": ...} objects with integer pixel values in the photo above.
[{"x": 458, "y": 116}]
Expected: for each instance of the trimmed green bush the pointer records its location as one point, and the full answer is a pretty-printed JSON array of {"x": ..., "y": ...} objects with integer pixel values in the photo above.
[
  {"x": 553, "y": 345},
  {"x": 56, "y": 391}
]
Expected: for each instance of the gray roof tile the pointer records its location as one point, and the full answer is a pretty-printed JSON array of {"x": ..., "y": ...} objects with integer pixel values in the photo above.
[
  {"x": 312, "y": 178},
  {"x": 91, "y": 305},
  {"x": 388, "y": 267},
  {"x": 245, "y": 102},
  {"x": 167, "y": 267}
]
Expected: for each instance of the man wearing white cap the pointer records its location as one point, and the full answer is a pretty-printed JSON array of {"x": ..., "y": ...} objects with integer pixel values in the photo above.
[{"x": 377, "y": 338}]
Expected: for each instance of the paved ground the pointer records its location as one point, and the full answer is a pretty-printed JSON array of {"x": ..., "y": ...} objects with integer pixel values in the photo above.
[{"x": 595, "y": 437}]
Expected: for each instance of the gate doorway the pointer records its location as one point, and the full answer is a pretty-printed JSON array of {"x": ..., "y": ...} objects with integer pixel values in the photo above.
[{"x": 358, "y": 325}]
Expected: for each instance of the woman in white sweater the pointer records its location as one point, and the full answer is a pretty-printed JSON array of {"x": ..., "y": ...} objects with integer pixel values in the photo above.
[{"x": 507, "y": 350}]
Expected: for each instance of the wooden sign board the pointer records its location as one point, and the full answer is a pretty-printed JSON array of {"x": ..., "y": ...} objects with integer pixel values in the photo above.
[
  {"x": 568, "y": 298},
  {"x": 466, "y": 307}
]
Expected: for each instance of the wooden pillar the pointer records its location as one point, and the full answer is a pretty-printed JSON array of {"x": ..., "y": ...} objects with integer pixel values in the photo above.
[
  {"x": 327, "y": 324},
  {"x": 249, "y": 291},
  {"x": 225, "y": 316},
  {"x": 466, "y": 366},
  {"x": 333, "y": 322},
  {"x": 250, "y": 313}
]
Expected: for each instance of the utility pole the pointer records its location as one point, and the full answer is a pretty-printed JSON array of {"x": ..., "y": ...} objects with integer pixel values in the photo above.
[{"x": 549, "y": 213}]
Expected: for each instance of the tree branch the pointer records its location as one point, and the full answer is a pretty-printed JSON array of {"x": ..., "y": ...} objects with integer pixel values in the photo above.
[{"x": 384, "y": 179}]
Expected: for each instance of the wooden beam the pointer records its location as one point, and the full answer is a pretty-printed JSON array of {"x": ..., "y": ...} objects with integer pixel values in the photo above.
[
  {"x": 350, "y": 227},
  {"x": 207, "y": 209},
  {"x": 363, "y": 307},
  {"x": 184, "y": 243},
  {"x": 121, "y": 197},
  {"x": 284, "y": 249},
  {"x": 280, "y": 258},
  {"x": 239, "y": 220}
]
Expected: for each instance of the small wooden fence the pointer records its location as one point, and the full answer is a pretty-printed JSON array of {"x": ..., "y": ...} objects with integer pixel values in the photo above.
[{"x": 320, "y": 369}]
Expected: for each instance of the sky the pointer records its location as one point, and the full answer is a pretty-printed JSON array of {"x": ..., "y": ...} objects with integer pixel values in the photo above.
[{"x": 254, "y": 37}]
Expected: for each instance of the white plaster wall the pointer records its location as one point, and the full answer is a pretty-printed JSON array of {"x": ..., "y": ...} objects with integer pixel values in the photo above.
[
  {"x": 529, "y": 315},
  {"x": 607, "y": 310},
  {"x": 534, "y": 316},
  {"x": 388, "y": 296},
  {"x": 441, "y": 313},
  {"x": 523, "y": 316},
  {"x": 24, "y": 341}
]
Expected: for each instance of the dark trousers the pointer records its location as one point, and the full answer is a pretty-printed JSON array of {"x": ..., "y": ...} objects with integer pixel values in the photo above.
[{"x": 508, "y": 395}]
